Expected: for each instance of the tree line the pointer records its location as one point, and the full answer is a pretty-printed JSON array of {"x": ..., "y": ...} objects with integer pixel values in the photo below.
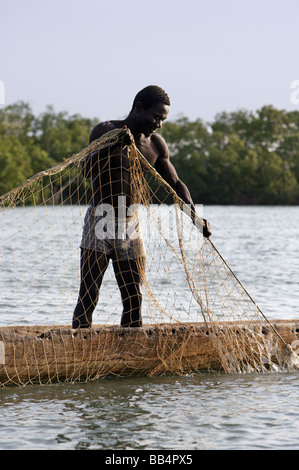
[{"x": 242, "y": 157}]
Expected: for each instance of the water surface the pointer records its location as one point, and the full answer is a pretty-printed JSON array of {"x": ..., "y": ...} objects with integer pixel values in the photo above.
[{"x": 204, "y": 411}]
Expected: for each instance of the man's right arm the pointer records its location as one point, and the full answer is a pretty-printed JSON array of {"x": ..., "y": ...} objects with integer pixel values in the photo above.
[
  {"x": 91, "y": 160},
  {"x": 124, "y": 138},
  {"x": 99, "y": 130}
]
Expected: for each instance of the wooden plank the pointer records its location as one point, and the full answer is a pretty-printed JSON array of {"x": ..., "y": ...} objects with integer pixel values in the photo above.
[{"x": 45, "y": 354}]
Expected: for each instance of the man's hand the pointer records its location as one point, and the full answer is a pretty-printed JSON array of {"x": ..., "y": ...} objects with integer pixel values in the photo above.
[
  {"x": 201, "y": 224},
  {"x": 206, "y": 229},
  {"x": 126, "y": 136}
]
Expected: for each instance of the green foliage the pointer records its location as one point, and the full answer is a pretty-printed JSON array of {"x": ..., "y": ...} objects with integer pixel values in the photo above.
[
  {"x": 61, "y": 135},
  {"x": 30, "y": 144},
  {"x": 240, "y": 158},
  {"x": 15, "y": 163}
]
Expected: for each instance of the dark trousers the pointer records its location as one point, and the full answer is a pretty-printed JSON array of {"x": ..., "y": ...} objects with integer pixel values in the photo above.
[{"x": 93, "y": 265}]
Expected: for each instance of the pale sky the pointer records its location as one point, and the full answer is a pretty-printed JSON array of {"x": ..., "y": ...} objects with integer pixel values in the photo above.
[{"x": 91, "y": 57}]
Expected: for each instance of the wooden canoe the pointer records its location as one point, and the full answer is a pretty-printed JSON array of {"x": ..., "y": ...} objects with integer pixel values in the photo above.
[{"x": 46, "y": 354}]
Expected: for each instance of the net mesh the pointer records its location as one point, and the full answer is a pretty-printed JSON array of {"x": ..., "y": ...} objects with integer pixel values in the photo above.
[{"x": 105, "y": 271}]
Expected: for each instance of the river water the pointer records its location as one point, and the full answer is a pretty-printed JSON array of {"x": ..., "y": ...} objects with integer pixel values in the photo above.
[{"x": 200, "y": 412}]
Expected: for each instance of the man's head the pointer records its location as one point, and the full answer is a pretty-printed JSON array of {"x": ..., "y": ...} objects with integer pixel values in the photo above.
[
  {"x": 150, "y": 96},
  {"x": 150, "y": 108}
]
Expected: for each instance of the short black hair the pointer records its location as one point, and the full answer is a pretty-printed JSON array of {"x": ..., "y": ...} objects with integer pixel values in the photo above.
[{"x": 150, "y": 96}]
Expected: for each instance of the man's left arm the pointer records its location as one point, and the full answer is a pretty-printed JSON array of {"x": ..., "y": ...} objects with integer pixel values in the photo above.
[{"x": 166, "y": 169}]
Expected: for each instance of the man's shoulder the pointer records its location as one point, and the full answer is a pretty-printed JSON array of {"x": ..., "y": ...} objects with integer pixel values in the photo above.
[
  {"x": 102, "y": 128},
  {"x": 160, "y": 144}
]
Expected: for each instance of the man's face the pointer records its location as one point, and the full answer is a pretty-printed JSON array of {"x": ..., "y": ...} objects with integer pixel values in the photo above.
[{"x": 151, "y": 119}]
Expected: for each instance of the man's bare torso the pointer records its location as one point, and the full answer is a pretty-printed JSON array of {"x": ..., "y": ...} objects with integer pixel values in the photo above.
[
  {"x": 110, "y": 171},
  {"x": 151, "y": 147}
]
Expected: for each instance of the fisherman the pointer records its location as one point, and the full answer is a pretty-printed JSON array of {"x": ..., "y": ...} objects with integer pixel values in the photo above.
[{"x": 109, "y": 170}]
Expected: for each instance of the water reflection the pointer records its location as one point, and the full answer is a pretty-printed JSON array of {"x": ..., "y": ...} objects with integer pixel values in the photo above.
[{"x": 200, "y": 412}]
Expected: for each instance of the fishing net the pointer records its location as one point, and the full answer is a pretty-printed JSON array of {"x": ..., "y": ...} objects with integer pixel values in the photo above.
[{"x": 94, "y": 286}]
